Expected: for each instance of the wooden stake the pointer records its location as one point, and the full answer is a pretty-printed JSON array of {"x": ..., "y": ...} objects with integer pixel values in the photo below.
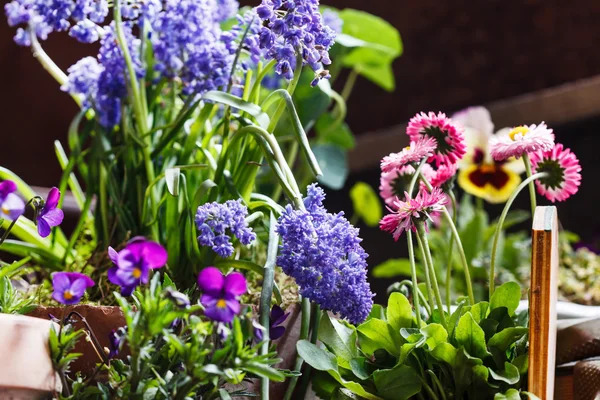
[{"x": 542, "y": 303}]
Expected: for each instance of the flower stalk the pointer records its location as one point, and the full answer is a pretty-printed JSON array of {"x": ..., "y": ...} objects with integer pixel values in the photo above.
[{"x": 532, "y": 196}]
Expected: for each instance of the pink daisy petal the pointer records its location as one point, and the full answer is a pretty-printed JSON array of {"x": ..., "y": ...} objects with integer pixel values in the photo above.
[
  {"x": 564, "y": 169},
  {"x": 444, "y": 173},
  {"x": 418, "y": 149},
  {"x": 394, "y": 183},
  {"x": 522, "y": 140},
  {"x": 405, "y": 213},
  {"x": 448, "y": 136}
]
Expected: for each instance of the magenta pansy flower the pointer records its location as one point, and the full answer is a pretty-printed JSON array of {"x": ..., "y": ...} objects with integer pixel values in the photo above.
[
  {"x": 134, "y": 262},
  {"x": 50, "y": 215},
  {"x": 69, "y": 287},
  {"x": 221, "y": 294},
  {"x": 11, "y": 205}
]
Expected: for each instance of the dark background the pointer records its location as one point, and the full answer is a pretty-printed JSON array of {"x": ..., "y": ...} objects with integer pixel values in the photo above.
[{"x": 456, "y": 53}]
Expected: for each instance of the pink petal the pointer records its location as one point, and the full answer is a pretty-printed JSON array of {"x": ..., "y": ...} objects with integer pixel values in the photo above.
[
  {"x": 235, "y": 284},
  {"x": 211, "y": 280}
]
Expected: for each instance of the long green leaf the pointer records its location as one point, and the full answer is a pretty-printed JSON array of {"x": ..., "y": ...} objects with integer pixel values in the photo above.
[{"x": 228, "y": 99}]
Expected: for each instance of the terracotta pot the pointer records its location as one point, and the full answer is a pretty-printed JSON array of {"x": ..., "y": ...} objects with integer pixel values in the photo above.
[
  {"x": 102, "y": 320},
  {"x": 26, "y": 370}
]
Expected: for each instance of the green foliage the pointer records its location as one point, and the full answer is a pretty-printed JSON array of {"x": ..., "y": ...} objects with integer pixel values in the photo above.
[
  {"x": 366, "y": 203},
  {"x": 11, "y": 300},
  {"x": 480, "y": 356},
  {"x": 174, "y": 353}
]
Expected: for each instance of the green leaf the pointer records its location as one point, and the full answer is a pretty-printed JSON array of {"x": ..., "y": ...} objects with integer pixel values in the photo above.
[
  {"x": 504, "y": 339},
  {"x": 511, "y": 394},
  {"x": 510, "y": 374},
  {"x": 228, "y": 99},
  {"x": 339, "y": 338},
  {"x": 445, "y": 352},
  {"x": 399, "y": 312},
  {"x": 375, "y": 44},
  {"x": 172, "y": 176},
  {"x": 377, "y": 334},
  {"x": 470, "y": 335},
  {"x": 224, "y": 394},
  {"x": 434, "y": 334},
  {"x": 480, "y": 310},
  {"x": 366, "y": 203},
  {"x": 378, "y": 311},
  {"x": 394, "y": 267},
  {"x": 324, "y": 361},
  {"x": 399, "y": 383},
  {"x": 508, "y": 295},
  {"x": 357, "y": 365},
  {"x": 334, "y": 162},
  {"x": 472, "y": 236},
  {"x": 329, "y": 131},
  {"x": 522, "y": 363}
]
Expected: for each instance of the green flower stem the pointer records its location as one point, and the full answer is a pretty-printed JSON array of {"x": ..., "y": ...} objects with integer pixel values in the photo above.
[
  {"x": 349, "y": 85},
  {"x": 413, "y": 272},
  {"x": 255, "y": 91},
  {"x": 500, "y": 223},
  {"x": 430, "y": 295},
  {"x": 304, "y": 328},
  {"x": 450, "y": 258},
  {"x": 138, "y": 107},
  {"x": 424, "y": 242},
  {"x": 266, "y": 295},
  {"x": 532, "y": 197},
  {"x": 314, "y": 335}
]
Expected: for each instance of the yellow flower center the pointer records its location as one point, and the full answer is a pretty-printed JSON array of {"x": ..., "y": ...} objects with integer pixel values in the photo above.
[
  {"x": 407, "y": 148},
  {"x": 5, "y": 210},
  {"x": 68, "y": 295},
  {"x": 137, "y": 273},
  {"x": 519, "y": 130},
  {"x": 487, "y": 168},
  {"x": 221, "y": 303}
]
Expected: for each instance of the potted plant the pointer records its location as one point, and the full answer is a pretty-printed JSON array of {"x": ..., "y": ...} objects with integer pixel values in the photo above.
[{"x": 185, "y": 164}]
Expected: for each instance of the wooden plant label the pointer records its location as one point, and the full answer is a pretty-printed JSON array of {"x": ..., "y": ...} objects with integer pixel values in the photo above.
[{"x": 542, "y": 303}]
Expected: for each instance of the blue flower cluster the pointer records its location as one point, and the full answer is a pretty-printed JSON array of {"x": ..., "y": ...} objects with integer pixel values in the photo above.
[
  {"x": 322, "y": 252},
  {"x": 226, "y": 9},
  {"x": 186, "y": 40},
  {"x": 293, "y": 27},
  {"x": 333, "y": 20},
  {"x": 102, "y": 82},
  {"x": 46, "y": 16},
  {"x": 215, "y": 220}
]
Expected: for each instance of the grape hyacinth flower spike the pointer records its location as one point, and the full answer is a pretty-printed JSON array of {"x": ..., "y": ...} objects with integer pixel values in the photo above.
[
  {"x": 134, "y": 262},
  {"x": 50, "y": 215},
  {"x": 221, "y": 294},
  {"x": 11, "y": 205},
  {"x": 69, "y": 287}
]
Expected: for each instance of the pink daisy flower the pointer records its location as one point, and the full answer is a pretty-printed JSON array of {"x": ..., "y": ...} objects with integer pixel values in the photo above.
[
  {"x": 394, "y": 183},
  {"x": 418, "y": 149},
  {"x": 522, "y": 140},
  {"x": 443, "y": 174},
  {"x": 406, "y": 213},
  {"x": 564, "y": 169},
  {"x": 448, "y": 136}
]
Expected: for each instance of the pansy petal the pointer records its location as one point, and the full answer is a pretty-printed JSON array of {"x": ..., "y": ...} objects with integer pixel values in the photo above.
[
  {"x": 155, "y": 255},
  {"x": 235, "y": 283},
  {"x": 234, "y": 306},
  {"x": 276, "y": 332},
  {"x": 43, "y": 228},
  {"x": 211, "y": 280},
  {"x": 73, "y": 276},
  {"x": 60, "y": 281},
  {"x": 7, "y": 187},
  {"x": 113, "y": 255},
  {"x": 78, "y": 287},
  {"x": 52, "y": 200},
  {"x": 53, "y": 217},
  {"x": 208, "y": 300},
  {"x": 219, "y": 314},
  {"x": 12, "y": 207}
]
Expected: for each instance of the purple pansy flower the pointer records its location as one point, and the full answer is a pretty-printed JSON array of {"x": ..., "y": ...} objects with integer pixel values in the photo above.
[
  {"x": 134, "y": 262},
  {"x": 49, "y": 216},
  {"x": 69, "y": 287},
  {"x": 221, "y": 293},
  {"x": 276, "y": 318},
  {"x": 115, "y": 342},
  {"x": 11, "y": 205}
]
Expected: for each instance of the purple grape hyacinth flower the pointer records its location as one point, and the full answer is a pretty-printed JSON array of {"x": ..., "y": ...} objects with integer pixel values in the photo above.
[
  {"x": 69, "y": 287},
  {"x": 11, "y": 205},
  {"x": 134, "y": 262},
  {"x": 221, "y": 294},
  {"x": 50, "y": 215}
]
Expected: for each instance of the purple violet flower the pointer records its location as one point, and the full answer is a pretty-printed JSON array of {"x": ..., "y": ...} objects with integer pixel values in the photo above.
[
  {"x": 116, "y": 338},
  {"x": 216, "y": 220},
  {"x": 11, "y": 205},
  {"x": 322, "y": 252},
  {"x": 69, "y": 287},
  {"x": 50, "y": 215},
  {"x": 181, "y": 300},
  {"x": 276, "y": 318},
  {"x": 221, "y": 294},
  {"x": 134, "y": 262}
]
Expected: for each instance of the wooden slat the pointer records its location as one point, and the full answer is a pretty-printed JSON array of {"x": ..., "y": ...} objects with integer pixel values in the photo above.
[{"x": 542, "y": 303}]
